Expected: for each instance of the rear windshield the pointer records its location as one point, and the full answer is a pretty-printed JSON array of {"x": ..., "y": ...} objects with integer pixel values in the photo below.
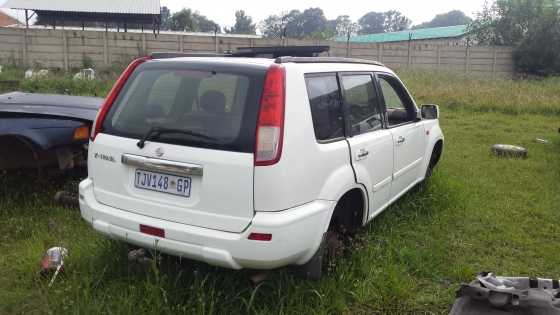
[{"x": 216, "y": 105}]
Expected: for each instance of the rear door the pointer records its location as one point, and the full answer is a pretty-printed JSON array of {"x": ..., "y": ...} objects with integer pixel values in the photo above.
[
  {"x": 408, "y": 133},
  {"x": 371, "y": 145},
  {"x": 200, "y": 170}
]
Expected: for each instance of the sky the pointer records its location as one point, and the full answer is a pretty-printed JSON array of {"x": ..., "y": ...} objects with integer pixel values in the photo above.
[{"x": 223, "y": 12}]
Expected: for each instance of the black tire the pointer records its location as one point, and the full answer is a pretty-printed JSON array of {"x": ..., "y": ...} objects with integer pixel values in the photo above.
[
  {"x": 506, "y": 150},
  {"x": 431, "y": 165},
  {"x": 313, "y": 269}
]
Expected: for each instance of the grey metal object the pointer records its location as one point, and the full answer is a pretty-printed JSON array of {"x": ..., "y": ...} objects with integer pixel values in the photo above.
[
  {"x": 507, "y": 150},
  {"x": 492, "y": 295},
  {"x": 164, "y": 166}
]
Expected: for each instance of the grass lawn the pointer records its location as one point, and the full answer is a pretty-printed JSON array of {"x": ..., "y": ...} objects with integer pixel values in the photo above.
[{"x": 478, "y": 213}]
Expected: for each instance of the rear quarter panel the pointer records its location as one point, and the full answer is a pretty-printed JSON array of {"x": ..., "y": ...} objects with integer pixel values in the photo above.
[{"x": 307, "y": 170}]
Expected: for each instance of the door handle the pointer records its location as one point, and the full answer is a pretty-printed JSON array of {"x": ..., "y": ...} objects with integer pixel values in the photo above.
[
  {"x": 362, "y": 154},
  {"x": 401, "y": 140}
]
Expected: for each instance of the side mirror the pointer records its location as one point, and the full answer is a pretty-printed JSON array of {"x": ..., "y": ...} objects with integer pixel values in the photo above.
[{"x": 430, "y": 111}]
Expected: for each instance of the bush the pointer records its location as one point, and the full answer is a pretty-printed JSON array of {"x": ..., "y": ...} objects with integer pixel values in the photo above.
[
  {"x": 531, "y": 26},
  {"x": 539, "y": 52}
]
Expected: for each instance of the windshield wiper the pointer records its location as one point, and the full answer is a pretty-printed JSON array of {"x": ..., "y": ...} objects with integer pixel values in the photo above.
[{"x": 157, "y": 131}]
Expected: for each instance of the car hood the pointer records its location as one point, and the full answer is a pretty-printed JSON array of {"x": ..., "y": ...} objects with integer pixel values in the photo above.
[{"x": 80, "y": 107}]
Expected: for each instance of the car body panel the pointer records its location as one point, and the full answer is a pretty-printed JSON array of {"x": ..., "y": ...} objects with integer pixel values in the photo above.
[
  {"x": 73, "y": 107},
  {"x": 37, "y": 130}
]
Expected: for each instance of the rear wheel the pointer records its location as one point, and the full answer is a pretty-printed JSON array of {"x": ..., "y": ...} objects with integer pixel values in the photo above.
[
  {"x": 319, "y": 264},
  {"x": 313, "y": 269},
  {"x": 345, "y": 221}
]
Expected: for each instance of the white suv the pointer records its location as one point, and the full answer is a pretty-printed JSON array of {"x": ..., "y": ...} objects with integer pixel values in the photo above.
[{"x": 248, "y": 162}]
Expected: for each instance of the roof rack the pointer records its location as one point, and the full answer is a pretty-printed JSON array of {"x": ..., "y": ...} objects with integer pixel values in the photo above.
[
  {"x": 326, "y": 60},
  {"x": 264, "y": 52},
  {"x": 280, "y": 51}
]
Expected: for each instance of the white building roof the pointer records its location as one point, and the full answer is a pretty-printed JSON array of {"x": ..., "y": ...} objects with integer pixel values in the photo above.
[{"x": 90, "y": 6}]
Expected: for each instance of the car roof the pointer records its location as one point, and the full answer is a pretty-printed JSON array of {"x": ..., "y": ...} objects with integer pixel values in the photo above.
[{"x": 322, "y": 65}]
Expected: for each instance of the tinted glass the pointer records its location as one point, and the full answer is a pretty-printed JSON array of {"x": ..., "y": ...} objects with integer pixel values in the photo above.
[
  {"x": 324, "y": 98},
  {"x": 360, "y": 100},
  {"x": 221, "y": 105}
]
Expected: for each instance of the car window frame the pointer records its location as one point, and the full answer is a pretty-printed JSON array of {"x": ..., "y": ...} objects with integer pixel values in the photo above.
[
  {"x": 402, "y": 91},
  {"x": 380, "y": 106},
  {"x": 340, "y": 101}
]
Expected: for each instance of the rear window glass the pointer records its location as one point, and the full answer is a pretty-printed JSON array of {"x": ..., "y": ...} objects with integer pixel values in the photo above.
[
  {"x": 205, "y": 107},
  {"x": 326, "y": 110}
]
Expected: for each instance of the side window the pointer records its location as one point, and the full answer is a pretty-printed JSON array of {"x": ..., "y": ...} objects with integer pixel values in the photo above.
[
  {"x": 326, "y": 112},
  {"x": 360, "y": 100},
  {"x": 400, "y": 108}
]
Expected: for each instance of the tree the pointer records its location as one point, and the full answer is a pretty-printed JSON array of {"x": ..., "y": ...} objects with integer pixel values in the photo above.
[
  {"x": 381, "y": 22},
  {"x": 165, "y": 16},
  {"x": 296, "y": 24},
  {"x": 539, "y": 52},
  {"x": 372, "y": 23},
  {"x": 532, "y": 27},
  {"x": 243, "y": 24},
  {"x": 450, "y": 18},
  {"x": 272, "y": 26},
  {"x": 396, "y": 22},
  {"x": 187, "y": 20},
  {"x": 313, "y": 22},
  {"x": 293, "y": 25},
  {"x": 339, "y": 26}
]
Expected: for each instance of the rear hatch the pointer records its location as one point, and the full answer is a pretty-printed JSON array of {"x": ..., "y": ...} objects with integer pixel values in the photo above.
[{"x": 198, "y": 119}]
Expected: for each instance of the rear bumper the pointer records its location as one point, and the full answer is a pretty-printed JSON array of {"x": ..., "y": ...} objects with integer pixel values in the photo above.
[{"x": 296, "y": 234}]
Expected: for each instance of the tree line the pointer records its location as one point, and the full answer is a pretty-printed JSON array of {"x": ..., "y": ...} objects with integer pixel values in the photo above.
[
  {"x": 532, "y": 27},
  {"x": 309, "y": 23}
]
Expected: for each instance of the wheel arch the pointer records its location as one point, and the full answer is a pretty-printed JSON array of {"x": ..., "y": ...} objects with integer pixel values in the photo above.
[
  {"x": 351, "y": 209},
  {"x": 21, "y": 151}
]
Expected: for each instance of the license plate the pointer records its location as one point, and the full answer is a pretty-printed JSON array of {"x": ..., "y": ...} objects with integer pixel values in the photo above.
[{"x": 165, "y": 183}]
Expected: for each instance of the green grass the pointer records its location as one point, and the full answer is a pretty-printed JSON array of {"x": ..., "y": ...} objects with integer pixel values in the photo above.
[
  {"x": 478, "y": 213},
  {"x": 58, "y": 82}
]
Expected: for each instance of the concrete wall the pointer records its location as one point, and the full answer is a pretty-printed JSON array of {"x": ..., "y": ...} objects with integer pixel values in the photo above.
[{"x": 69, "y": 48}]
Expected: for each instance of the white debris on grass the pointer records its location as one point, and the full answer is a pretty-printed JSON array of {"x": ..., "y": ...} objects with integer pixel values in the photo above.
[
  {"x": 30, "y": 74},
  {"x": 85, "y": 74}
]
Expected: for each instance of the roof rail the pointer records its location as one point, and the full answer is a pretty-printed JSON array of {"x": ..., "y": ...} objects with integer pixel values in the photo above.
[
  {"x": 166, "y": 55},
  {"x": 326, "y": 60}
]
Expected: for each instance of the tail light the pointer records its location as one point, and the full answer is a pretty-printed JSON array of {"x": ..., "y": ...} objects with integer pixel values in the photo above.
[
  {"x": 270, "y": 125},
  {"x": 113, "y": 95}
]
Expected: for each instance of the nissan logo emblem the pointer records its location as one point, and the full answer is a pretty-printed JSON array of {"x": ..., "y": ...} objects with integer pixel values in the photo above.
[{"x": 160, "y": 152}]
